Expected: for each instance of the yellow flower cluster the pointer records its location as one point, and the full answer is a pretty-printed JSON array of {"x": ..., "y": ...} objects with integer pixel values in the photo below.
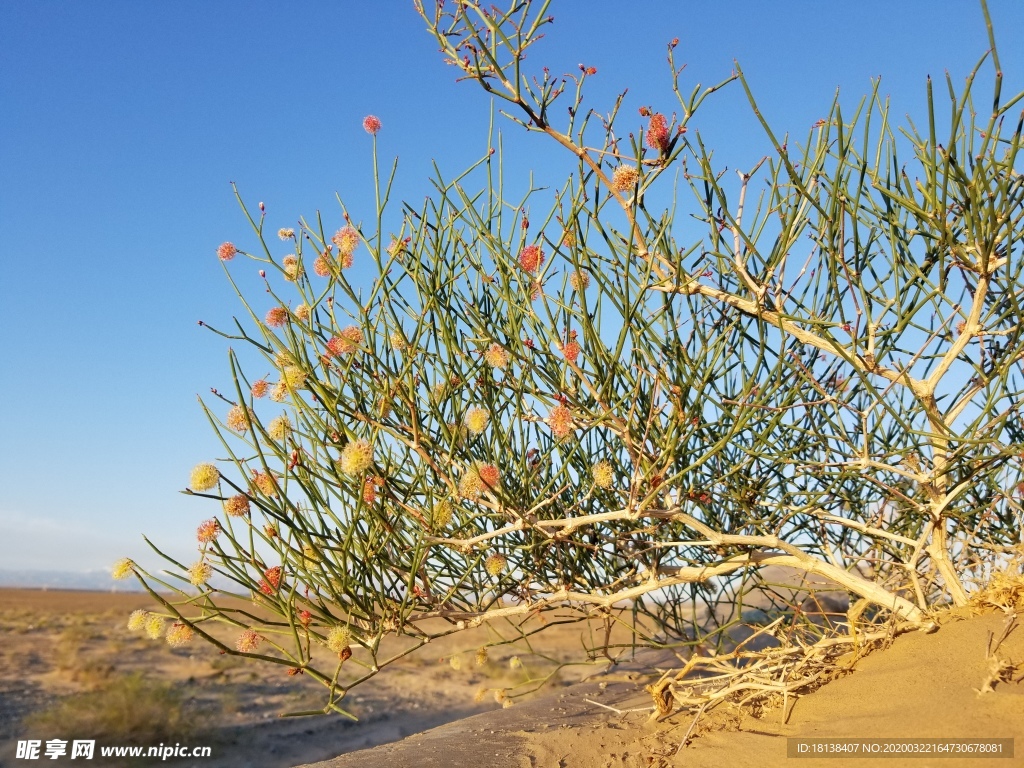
[
  {"x": 292, "y": 270},
  {"x": 625, "y": 178},
  {"x": 248, "y": 641},
  {"x": 310, "y": 557},
  {"x": 579, "y": 281},
  {"x": 122, "y": 569},
  {"x": 237, "y": 419},
  {"x": 154, "y": 626},
  {"x": 356, "y": 457},
  {"x": 279, "y": 428},
  {"x": 346, "y": 238},
  {"x": 204, "y": 477},
  {"x": 477, "y": 479},
  {"x": 603, "y": 474},
  {"x": 338, "y": 638},
  {"x": 199, "y": 573},
  {"x": 476, "y": 420},
  {"x": 441, "y": 515},
  {"x": 495, "y": 356},
  {"x": 280, "y": 392},
  {"x": 179, "y": 634},
  {"x": 495, "y": 564},
  {"x": 293, "y": 376}
]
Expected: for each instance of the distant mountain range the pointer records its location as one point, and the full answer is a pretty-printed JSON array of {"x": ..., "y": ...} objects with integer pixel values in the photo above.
[{"x": 92, "y": 580}]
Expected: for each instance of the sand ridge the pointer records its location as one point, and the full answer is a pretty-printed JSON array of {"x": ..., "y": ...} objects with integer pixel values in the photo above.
[{"x": 923, "y": 685}]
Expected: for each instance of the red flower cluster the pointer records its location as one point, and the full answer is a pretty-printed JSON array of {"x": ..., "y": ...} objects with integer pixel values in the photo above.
[
  {"x": 571, "y": 349},
  {"x": 657, "y": 133},
  {"x": 531, "y": 258},
  {"x": 271, "y": 580},
  {"x": 489, "y": 474}
]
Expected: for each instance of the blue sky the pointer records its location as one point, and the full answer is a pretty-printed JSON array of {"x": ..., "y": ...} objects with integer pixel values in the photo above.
[{"x": 122, "y": 123}]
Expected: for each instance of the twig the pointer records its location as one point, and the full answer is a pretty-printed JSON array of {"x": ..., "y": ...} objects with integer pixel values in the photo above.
[
  {"x": 693, "y": 724},
  {"x": 1008, "y": 627},
  {"x": 616, "y": 710}
]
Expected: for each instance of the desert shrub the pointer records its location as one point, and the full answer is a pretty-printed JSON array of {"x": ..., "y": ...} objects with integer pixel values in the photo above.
[
  {"x": 624, "y": 408},
  {"x": 72, "y": 663},
  {"x": 127, "y": 709}
]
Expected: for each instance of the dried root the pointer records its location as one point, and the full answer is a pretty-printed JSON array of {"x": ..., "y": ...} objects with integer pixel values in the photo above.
[
  {"x": 1000, "y": 670},
  {"x": 756, "y": 681}
]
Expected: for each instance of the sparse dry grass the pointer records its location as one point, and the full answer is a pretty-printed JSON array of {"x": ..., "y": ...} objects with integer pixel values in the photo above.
[
  {"x": 1004, "y": 591},
  {"x": 127, "y": 709},
  {"x": 74, "y": 664},
  {"x": 68, "y": 657}
]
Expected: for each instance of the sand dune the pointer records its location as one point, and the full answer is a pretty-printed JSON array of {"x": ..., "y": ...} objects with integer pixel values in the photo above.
[
  {"x": 57, "y": 646},
  {"x": 922, "y": 686}
]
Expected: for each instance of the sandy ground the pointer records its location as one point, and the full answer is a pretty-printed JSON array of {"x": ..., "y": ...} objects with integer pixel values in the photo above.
[
  {"x": 55, "y": 646},
  {"x": 922, "y": 686}
]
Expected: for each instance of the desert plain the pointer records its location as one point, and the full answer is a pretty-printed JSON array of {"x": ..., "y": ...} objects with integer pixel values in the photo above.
[{"x": 69, "y": 668}]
